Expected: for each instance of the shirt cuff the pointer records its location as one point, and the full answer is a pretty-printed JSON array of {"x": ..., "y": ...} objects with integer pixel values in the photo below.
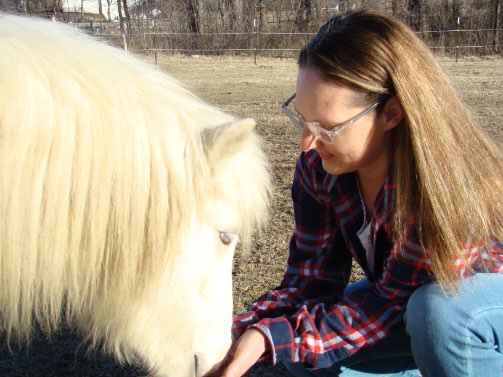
[
  {"x": 280, "y": 338},
  {"x": 241, "y": 323}
]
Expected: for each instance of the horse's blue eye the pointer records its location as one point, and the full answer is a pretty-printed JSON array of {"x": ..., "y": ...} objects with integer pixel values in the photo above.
[{"x": 226, "y": 237}]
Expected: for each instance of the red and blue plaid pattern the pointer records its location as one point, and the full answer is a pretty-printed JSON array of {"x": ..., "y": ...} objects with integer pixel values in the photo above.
[{"x": 306, "y": 319}]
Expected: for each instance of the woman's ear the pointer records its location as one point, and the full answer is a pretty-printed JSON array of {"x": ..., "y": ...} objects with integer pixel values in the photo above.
[{"x": 392, "y": 113}]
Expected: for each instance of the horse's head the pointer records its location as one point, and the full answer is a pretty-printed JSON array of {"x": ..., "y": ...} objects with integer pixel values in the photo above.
[
  {"x": 193, "y": 299},
  {"x": 122, "y": 199}
]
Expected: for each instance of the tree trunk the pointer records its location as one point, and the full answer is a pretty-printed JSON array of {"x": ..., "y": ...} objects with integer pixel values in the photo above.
[
  {"x": 127, "y": 15},
  {"x": 248, "y": 14},
  {"x": 456, "y": 9},
  {"x": 495, "y": 23},
  {"x": 261, "y": 7},
  {"x": 128, "y": 25},
  {"x": 192, "y": 15},
  {"x": 303, "y": 18},
  {"x": 221, "y": 10},
  {"x": 414, "y": 14},
  {"x": 231, "y": 9},
  {"x": 121, "y": 20},
  {"x": 100, "y": 9},
  {"x": 279, "y": 17},
  {"x": 394, "y": 7}
]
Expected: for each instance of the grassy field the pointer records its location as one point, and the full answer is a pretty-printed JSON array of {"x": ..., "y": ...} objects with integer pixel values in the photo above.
[{"x": 244, "y": 89}]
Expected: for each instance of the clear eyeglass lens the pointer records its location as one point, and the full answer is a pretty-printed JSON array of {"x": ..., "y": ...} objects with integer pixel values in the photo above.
[
  {"x": 326, "y": 138},
  {"x": 296, "y": 121},
  {"x": 301, "y": 124},
  {"x": 323, "y": 136}
]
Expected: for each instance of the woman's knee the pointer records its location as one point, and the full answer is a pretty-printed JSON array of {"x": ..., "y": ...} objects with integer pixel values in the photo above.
[
  {"x": 439, "y": 314},
  {"x": 433, "y": 313},
  {"x": 457, "y": 333}
]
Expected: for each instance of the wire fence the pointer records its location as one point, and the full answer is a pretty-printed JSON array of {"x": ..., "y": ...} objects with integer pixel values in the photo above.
[{"x": 151, "y": 39}]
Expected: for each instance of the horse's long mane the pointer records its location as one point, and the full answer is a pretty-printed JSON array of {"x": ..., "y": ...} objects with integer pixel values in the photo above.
[{"x": 101, "y": 164}]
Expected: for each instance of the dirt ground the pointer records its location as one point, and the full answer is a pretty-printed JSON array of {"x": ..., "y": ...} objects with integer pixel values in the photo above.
[{"x": 244, "y": 89}]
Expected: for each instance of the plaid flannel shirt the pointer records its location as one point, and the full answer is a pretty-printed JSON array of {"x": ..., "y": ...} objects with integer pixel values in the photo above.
[{"x": 306, "y": 319}]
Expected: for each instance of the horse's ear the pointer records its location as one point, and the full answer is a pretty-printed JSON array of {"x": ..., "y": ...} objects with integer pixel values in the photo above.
[{"x": 227, "y": 139}]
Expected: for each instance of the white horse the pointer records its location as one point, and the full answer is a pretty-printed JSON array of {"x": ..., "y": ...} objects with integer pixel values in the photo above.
[{"x": 121, "y": 197}]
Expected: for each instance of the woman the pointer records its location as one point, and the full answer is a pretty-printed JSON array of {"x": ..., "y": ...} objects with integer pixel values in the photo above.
[{"x": 396, "y": 175}]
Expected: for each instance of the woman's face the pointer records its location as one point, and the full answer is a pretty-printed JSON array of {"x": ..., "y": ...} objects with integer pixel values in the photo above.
[{"x": 362, "y": 146}]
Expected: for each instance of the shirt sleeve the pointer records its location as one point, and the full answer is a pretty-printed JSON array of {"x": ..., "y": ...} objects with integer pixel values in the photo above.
[
  {"x": 305, "y": 319},
  {"x": 319, "y": 264},
  {"x": 323, "y": 332}
]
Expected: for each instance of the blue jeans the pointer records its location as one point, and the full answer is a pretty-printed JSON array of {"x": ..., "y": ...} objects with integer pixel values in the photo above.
[{"x": 444, "y": 335}]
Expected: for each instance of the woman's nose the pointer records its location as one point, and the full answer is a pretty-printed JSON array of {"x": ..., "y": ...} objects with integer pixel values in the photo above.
[{"x": 307, "y": 140}]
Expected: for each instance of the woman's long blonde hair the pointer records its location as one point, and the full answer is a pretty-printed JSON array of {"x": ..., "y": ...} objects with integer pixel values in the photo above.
[{"x": 449, "y": 173}]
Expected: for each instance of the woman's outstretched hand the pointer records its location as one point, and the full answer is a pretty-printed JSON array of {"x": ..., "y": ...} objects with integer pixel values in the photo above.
[{"x": 242, "y": 355}]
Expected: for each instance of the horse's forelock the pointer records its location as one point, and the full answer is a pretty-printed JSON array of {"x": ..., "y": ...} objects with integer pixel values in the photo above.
[{"x": 240, "y": 173}]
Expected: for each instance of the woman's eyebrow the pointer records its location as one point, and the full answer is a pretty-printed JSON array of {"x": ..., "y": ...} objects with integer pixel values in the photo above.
[{"x": 298, "y": 112}]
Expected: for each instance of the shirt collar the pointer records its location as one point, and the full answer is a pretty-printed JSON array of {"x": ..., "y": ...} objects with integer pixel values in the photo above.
[{"x": 341, "y": 192}]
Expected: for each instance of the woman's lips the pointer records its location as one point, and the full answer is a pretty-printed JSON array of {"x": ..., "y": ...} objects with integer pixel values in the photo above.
[{"x": 325, "y": 156}]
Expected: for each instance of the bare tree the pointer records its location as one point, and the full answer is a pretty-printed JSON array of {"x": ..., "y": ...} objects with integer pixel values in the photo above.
[
  {"x": 248, "y": 12},
  {"x": 192, "y": 9},
  {"x": 394, "y": 7},
  {"x": 109, "y": 9},
  {"x": 456, "y": 9},
  {"x": 228, "y": 8},
  {"x": 260, "y": 7},
  {"x": 303, "y": 18},
  {"x": 18, "y": 6},
  {"x": 414, "y": 14},
  {"x": 121, "y": 19},
  {"x": 126, "y": 14},
  {"x": 47, "y": 8},
  {"x": 438, "y": 16},
  {"x": 495, "y": 16},
  {"x": 229, "y": 14},
  {"x": 233, "y": 16},
  {"x": 278, "y": 8}
]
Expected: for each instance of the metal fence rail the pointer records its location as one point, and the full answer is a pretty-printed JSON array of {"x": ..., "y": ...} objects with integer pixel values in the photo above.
[{"x": 152, "y": 39}]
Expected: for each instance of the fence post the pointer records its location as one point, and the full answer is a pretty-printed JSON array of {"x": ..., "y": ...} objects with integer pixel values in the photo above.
[
  {"x": 254, "y": 40},
  {"x": 124, "y": 40},
  {"x": 458, "y": 22},
  {"x": 154, "y": 41}
]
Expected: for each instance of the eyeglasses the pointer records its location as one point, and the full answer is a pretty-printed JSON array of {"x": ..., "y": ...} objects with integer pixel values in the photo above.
[{"x": 326, "y": 136}]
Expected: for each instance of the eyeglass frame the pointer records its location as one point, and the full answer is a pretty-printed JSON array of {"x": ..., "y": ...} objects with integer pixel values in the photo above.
[{"x": 315, "y": 128}]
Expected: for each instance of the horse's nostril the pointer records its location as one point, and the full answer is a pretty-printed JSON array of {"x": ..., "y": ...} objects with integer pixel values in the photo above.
[{"x": 196, "y": 367}]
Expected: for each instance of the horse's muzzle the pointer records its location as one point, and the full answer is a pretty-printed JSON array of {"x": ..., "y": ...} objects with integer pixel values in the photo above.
[{"x": 196, "y": 367}]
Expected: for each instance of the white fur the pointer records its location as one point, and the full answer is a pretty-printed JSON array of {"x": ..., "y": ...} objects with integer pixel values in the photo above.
[{"x": 114, "y": 184}]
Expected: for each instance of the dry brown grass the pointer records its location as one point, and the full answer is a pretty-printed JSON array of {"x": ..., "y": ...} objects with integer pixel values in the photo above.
[{"x": 248, "y": 90}]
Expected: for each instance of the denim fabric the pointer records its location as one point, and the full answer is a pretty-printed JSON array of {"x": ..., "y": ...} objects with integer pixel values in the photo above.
[
  {"x": 453, "y": 335},
  {"x": 459, "y": 334}
]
